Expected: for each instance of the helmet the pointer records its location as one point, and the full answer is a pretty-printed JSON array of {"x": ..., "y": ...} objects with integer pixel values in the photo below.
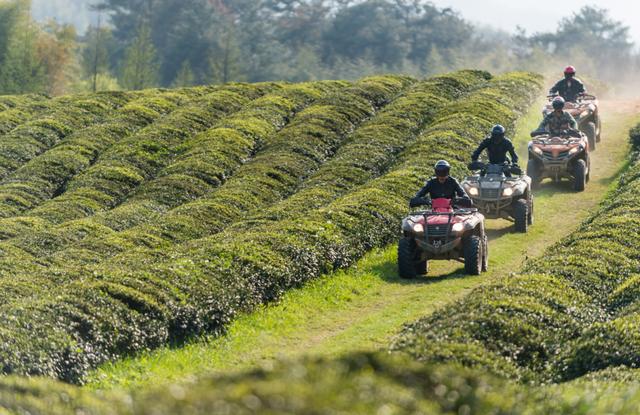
[
  {"x": 442, "y": 168},
  {"x": 498, "y": 131},
  {"x": 558, "y": 103},
  {"x": 569, "y": 70}
]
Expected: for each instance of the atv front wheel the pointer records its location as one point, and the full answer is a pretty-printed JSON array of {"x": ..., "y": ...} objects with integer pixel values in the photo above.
[
  {"x": 530, "y": 216},
  {"x": 473, "y": 255},
  {"x": 579, "y": 175},
  {"x": 521, "y": 215},
  {"x": 590, "y": 131},
  {"x": 406, "y": 255},
  {"x": 534, "y": 172},
  {"x": 599, "y": 135}
]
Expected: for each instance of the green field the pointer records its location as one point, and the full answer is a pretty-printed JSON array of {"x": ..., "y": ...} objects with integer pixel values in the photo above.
[{"x": 231, "y": 249}]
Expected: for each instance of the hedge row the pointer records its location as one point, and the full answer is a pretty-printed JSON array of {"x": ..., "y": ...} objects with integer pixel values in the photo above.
[
  {"x": 283, "y": 161},
  {"x": 358, "y": 383},
  {"x": 47, "y": 175},
  {"x": 138, "y": 158},
  {"x": 214, "y": 154},
  {"x": 573, "y": 311},
  {"x": 361, "y": 383},
  {"x": 208, "y": 160},
  {"x": 16, "y": 110},
  {"x": 60, "y": 119}
]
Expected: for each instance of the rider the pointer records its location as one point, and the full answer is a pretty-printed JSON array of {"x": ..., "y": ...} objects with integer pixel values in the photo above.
[
  {"x": 570, "y": 87},
  {"x": 497, "y": 146},
  {"x": 559, "y": 120},
  {"x": 441, "y": 186}
]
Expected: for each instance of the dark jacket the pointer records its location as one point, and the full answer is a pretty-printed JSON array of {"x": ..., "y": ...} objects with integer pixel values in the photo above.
[
  {"x": 569, "y": 89},
  {"x": 497, "y": 150},
  {"x": 447, "y": 190}
]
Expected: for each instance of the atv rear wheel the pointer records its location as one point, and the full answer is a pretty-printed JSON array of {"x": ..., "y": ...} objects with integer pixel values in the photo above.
[
  {"x": 579, "y": 175},
  {"x": 521, "y": 215},
  {"x": 485, "y": 253},
  {"x": 533, "y": 171},
  {"x": 406, "y": 261},
  {"x": 473, "y": 255},
  {"x": 590, "y": 131}
]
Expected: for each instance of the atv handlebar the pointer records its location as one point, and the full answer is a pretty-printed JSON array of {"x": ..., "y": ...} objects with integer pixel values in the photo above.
[
  {"x": 512, "y": 168},
  {"x": 461, "y": 202},
  {"x": 419, "y": 201}
]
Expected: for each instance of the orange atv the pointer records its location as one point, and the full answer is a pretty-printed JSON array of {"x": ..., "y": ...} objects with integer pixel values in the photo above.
[
  {"x": 559, "y": 156},
  {"x": 585, "y": 111}
]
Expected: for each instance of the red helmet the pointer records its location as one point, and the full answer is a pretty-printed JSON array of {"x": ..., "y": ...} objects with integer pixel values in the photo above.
[{"x": 570, "y": 70}]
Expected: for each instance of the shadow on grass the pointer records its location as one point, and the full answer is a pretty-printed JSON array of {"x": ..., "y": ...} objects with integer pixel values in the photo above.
[{"x": 388, "y": 272}]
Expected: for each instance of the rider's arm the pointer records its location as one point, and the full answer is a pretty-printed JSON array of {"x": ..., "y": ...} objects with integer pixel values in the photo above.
[
  {"x": 425, "y": 189},
  {"x": 544, "y": 123},
  {"x": 554, "y": 89},
  {"x": 512, "y": 152},
  {"x": 460, "y": 192},
  {"x": 581, "y": 88},
  {"x": 476, "y": 154},
  {"x": 572, "y": 121}
]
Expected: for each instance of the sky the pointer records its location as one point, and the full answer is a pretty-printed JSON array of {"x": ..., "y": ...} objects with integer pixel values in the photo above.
[{"x": 540, "y": 15}]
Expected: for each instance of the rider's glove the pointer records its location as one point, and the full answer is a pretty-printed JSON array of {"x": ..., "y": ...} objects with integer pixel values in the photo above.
[{"x": 418, "y": 201}]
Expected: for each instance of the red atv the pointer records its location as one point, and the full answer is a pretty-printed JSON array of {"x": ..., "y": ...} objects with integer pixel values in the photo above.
[
  {"x": 444, "y": 232},
  {"x": 585, "y": 111}
]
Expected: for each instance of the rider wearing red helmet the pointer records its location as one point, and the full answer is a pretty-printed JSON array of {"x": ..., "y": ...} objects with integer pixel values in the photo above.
[{"x": 570, "y": 87}]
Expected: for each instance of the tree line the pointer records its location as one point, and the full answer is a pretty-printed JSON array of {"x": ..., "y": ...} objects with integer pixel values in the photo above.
[{"x": 145, "y": 43}]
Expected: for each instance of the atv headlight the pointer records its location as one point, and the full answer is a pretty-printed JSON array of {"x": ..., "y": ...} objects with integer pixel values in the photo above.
[
  {"x": 537, "y": 150},
  {"x": 418, "y": 228},
  {"x": 574, "y": 151},
  {"x": 584, "y": 114},
  {"x": 457, "y": 227},
  {"x": 473, "y": 191},
  {"x": 507, "y": 192}
]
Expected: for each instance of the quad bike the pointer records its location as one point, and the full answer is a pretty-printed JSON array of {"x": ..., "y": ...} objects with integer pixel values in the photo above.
[
  {"x": 443, "y": 232},
  {"x": 559, "y": 156},
  {"x": 501, "y": 191},
  {"x": 585, "y": 111}
]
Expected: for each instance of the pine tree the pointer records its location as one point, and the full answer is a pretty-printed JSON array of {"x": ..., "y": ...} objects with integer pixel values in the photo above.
[
  {"x": 225, "y": 63},
  {"x": 185, "y": 76},
  {"x": 141, "y": 66}
]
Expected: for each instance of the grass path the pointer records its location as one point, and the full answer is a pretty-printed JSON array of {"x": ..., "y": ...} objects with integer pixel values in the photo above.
[{"x": 363, "y": 307}]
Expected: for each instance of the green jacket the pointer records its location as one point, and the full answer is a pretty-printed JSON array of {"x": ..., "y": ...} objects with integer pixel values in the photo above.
[{"x": 554, "y": 123}]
